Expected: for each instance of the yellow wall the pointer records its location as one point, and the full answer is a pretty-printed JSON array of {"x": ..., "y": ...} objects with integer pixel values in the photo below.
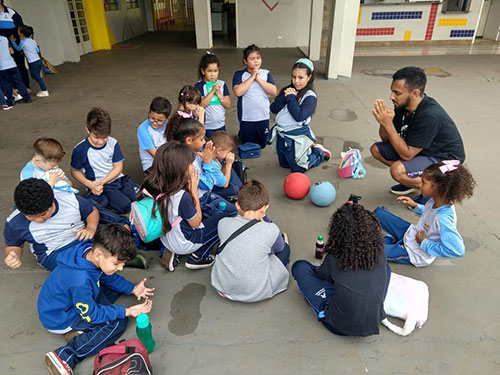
[{"x": 101, "y": 35}]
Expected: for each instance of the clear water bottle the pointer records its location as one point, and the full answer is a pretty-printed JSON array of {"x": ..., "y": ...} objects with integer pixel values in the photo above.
[
  {"x": 222, "y": 206},
  {"x": 144, "y": 332},
  {"x": 320, "y": 248}
]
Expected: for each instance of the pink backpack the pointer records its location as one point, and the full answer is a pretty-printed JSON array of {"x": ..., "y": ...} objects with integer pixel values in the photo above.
[{"x": 126, "y": 358}]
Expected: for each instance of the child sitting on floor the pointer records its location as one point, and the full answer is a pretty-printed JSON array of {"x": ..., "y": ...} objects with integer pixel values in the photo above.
[
  {"x": 77, "y": 299},
  {"x": 252, "y": 265},
  {"x": 97, "y": 163},
  {"x": 151, "y": 133},
  {"x": 45, "y": 165},
  {"x": 436, "y": 233}
]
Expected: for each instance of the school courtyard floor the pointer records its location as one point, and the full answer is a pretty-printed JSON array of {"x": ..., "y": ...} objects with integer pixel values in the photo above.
[{"x": 197, "y": 331}]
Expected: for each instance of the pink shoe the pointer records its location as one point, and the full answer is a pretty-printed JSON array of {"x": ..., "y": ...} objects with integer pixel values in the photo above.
[
  {"x": 56, "y": 365},
  {"x": 326, "y": 152}
]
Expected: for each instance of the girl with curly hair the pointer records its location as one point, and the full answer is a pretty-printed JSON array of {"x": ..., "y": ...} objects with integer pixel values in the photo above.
[
  {"x": 347, "y": 290},
  {"x": 436, "y": 233}
]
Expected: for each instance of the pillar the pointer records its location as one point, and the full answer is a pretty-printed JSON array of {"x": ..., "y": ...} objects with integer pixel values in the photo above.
[
  {"x": 341, "y": 38},
  {"x": 203, "y": 24},
  {"x": 316, "y": 28}
]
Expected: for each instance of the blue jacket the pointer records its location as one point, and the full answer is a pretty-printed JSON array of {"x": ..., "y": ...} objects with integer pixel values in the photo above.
[{"x": 71, "y": 290}]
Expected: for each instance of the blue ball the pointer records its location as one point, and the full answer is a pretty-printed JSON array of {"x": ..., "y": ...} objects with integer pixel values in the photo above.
[{"x": 322, "y": 193}]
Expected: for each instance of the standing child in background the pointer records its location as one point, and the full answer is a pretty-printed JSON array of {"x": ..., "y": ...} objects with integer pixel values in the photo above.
[
  {"x": 77, "y": 299},
  {"x": 192, "y": 133},
  {"x": 436, "y": 233},
  {"x": 224, "y": 158},
  {"x": 347, "y": 291},
  {"x": 45, "y": 165},
  {"x": 292, "y": 136},
  {"x": 31, "y": 51},
  {"x": 215, "y": 93},
  {"x": 253, "y": 86},
  {"x": 9, "y": 73},
  {"x": 97, "y": 163},
  {"x": 151, "y": 133},
  {"x": 173, "y": 182}
]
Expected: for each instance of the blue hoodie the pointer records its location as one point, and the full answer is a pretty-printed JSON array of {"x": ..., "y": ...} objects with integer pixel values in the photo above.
[{"x": 71, "y": 290}]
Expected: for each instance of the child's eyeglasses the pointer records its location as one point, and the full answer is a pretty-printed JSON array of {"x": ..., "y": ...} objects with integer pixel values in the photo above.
[{"x": 156, "y": 121}]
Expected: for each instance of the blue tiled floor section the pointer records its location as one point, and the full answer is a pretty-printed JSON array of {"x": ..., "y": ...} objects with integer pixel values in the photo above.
[
  {"x": 461, "y": 33},
  {"x": 396, "y": 15}
]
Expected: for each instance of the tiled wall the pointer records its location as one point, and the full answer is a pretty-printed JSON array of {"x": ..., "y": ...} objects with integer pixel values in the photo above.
[{"x": 407, "y": 22}]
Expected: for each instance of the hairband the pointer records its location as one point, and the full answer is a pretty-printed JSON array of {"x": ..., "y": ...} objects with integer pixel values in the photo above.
[
  {"x": 449, "y": 165},
  {"x": 307, "y": 62}
]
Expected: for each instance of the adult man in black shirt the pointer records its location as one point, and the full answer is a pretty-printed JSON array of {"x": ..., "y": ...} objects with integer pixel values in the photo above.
[{"x": 416, "y": 133}]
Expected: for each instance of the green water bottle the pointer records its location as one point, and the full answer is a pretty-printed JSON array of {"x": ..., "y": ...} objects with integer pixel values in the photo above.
[{"x": 144, "y": 333}]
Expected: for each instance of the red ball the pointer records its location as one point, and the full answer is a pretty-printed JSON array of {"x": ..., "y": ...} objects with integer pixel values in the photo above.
[{"x": 296, "y": 185}]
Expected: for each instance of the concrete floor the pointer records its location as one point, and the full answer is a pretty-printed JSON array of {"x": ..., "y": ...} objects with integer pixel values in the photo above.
[{"x": 200, "y": 333}]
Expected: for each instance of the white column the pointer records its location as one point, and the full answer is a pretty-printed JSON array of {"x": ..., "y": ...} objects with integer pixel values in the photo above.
[
  {"x": 316, "y": 28},
  {"x": 203, "y": 24},
  {"x": 341, "y": 38}
]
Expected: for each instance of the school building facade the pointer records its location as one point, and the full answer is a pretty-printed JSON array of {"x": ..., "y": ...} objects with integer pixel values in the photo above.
[{"x": 330, "y": 29}]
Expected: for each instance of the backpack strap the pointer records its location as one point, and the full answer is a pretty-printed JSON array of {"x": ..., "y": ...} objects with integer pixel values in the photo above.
[{"x": 236, "y": 233}]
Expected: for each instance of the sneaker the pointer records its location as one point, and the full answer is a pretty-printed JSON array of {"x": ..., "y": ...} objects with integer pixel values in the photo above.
[
  {"x": 399, "y": 189},
  {"x": 326, "y": 152},
  {"x": 42, "y": 94},
  {"x": 138, "y": 262},
  {"x": 26, "y": 101},
  {"x": 6, "y": 107},
  {"x": 56, "y": 365},
  {"x": 422, "y": 200},
  {"x": 18, "y": 97},
  {"x": 196, "y": 264},
  {"x": 285, "y": 238},
  {"x": 169, "y": 260}
]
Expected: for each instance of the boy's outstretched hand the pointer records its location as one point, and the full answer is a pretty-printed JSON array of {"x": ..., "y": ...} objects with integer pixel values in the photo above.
[
  {"x": 142, "y": 291},
  {"x": 408, "y": 201},
  {"x": 142, "y": 308}
]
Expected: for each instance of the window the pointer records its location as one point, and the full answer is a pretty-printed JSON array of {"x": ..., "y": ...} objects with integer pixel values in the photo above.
[
  {"x": 111, "y": 5},
  {"x": 456, "y": 6},
  {"x": 131, "y": 4}
]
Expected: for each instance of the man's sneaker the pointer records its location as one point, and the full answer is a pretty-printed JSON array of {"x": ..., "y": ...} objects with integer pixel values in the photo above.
[
  {"x": 285, "y": 238},
  {"x": 169, "y": 260},
  {"x": 56, "y": 365},
  {"x": 326, "y": 152},
  {"x": 138, "y": 262},
  {"x": 42, "y": 94},
  {"x": 422, "y": 200},
  {"x": 6, "y": 107},
  {"x": 399, "y": 189},
  {"x": 194, "y": 263},
  {"x": 18, "y": 97}
]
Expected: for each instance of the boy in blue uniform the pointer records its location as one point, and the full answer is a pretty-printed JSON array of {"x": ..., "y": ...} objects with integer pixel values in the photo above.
[
  {"x": 77, "y": 298},
  {"x": 50, "y": 222},
  {"x": 97, "y": 163}
]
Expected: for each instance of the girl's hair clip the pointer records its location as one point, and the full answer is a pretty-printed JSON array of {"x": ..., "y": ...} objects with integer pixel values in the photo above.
[
  {"x": 209, "y": 53},
  {"x": 449, "y": 165}
]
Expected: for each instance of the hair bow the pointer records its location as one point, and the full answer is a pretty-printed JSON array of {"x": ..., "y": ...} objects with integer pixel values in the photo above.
[
  {"x": 449, "y": 165},
  {"x": 184, "y": 114}
]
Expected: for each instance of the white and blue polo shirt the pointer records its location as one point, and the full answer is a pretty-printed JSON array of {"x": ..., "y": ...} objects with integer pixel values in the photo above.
[
  {"x": 253, "y": 105},
  {"x": 6, "y": 60},
  {"x": 10, "y": 20},
  {"x": 149, "y": 138},
  {"x": 55, "y": 233},
  {"x": 96, "y": 162},
  {"x": 30, "y": 49},
  {"x": 215, "y": 113}
]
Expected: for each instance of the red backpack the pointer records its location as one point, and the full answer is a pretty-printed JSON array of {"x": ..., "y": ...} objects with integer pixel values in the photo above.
[{"x": 127, "y": 357}]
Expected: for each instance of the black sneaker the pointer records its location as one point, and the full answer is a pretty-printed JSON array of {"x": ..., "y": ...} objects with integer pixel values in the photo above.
[
  {"x": 399, "y": 189},
  {"x": 25, "y": 101},
  {"x": 194, "y": 263}
]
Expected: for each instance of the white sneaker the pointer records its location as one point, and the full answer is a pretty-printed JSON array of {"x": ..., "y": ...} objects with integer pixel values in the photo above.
[
  {"x": 18, "y": 97},
  {"x": 56, "y": 365},
  {"x": 42, "y": 94}
]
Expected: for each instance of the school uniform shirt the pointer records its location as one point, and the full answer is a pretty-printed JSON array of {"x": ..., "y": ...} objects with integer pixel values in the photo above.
[
  {"x": 210, "y": 175},
  {"x": 71, "y": 290},
  {"x": 247, "y": 270},
  {"x": 32, "y": 171},
  {"x": 182, "y": 239},
  {"x": 442, "y": 238},
  {"x": 10, "y": 20},
  {"x": 253, "y": 105},
  {"x": 55, "y": 233},
  {"x": 215, "y": 113},
  {"x": 357, "y": 306},
  {"x": 6, "y": 60},
  {"x": 149, "y": 138},
  {"x": 30, "y": 49},
  {"x": 96, "y": 162},
  {"x": 292, "y": 113}
]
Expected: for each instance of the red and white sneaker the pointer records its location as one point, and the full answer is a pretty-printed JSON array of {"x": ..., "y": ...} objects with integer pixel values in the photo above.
[
  {"x": 56, "y": 365},
  {"x": 326, "y": 152}
]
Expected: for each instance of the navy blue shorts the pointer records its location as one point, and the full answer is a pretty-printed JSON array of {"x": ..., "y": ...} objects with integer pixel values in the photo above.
[{"x": 415, "y": 165}]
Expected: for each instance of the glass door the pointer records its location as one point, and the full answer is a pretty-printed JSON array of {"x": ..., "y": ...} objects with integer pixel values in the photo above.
[{"x": 79, "y": 24}]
